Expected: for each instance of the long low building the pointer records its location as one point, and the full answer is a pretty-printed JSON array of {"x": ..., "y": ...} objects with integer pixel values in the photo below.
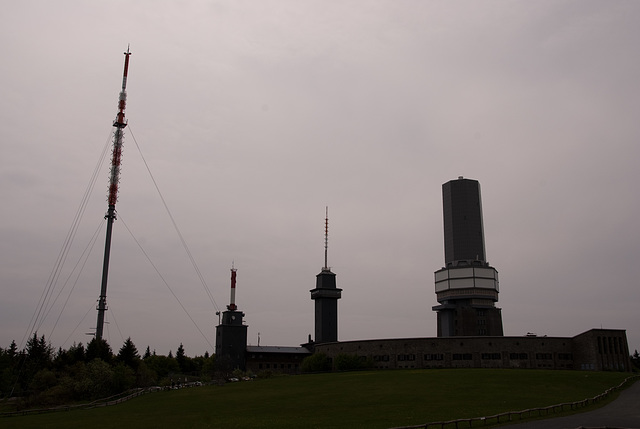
[
  {"x": 285, "y": 360},
  {"x": 594, "y": 350}
]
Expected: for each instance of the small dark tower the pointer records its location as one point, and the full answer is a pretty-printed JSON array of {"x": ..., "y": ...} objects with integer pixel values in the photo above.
[
  {"x": 326, "y": 296},
  {"x": 467, "y": 286},
  {"x": 231, "y": 334}
]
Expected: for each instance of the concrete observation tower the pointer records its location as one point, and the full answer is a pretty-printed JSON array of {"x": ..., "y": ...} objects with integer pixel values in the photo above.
[{"x": 467, "y": 286}]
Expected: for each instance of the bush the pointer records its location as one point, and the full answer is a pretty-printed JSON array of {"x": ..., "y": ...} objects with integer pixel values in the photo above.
[
  {"x": 346, "y": 362},
  {"x": 123, "y": 378},
  {"x": 58, "y": 394},
  {"x": 265, "y": 374},
  {"x": 43, "y": 380},
  {"x": 96, "y": 381},
  {"x": 317, "y": 362}
]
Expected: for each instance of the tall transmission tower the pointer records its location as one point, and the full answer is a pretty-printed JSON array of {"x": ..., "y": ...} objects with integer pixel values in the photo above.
[{"x": 114, "y": 180}]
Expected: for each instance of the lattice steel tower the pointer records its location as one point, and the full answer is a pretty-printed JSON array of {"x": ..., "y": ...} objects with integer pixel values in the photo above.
[{"x": 114, "y": 180}]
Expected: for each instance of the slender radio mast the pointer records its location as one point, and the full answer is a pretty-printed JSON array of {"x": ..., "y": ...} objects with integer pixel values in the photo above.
[
  {"x": 326, "y": 296},
  {"x": 326, "y": 237},
  {"x": 114, "y": 179}
]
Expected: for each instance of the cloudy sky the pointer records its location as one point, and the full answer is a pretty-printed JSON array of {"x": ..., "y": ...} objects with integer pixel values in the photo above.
[{"x": 253, "y": 116}]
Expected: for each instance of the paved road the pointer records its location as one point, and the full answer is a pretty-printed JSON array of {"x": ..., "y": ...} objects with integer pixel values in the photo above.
[{"x": 624, "y": 412}]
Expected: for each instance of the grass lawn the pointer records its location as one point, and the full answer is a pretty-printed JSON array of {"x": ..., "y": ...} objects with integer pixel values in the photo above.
[{"x": 367, "y": 399}]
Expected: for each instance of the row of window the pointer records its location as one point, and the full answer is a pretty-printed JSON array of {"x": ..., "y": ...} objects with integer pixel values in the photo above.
[
  {"x": 462, "y": 356},
  {"x": 410, "y": 357},
  {"x": 469, "y": 356},
  {"x": 436, "y": 356},
  {"x": 276, "y": 365},
  {"x": 491, "y": 356},
  {"x": 381, "y": 358},
  {"x": 518, "y": 356}
]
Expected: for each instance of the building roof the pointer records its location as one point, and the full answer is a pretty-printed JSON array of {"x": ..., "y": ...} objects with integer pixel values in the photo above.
[{"x": 277, "y": 349}]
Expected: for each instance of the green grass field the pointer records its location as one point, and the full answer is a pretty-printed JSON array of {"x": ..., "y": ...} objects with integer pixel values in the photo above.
[{"x": 367, "y": 399}]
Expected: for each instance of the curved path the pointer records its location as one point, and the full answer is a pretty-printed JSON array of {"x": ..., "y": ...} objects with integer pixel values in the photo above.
[{"x": 624, "y": 412}]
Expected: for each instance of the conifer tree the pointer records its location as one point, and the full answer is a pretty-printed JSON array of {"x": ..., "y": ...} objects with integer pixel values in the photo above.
[
  {"x": 128, "y": 354},
  {"x": 181, "y": 358}
]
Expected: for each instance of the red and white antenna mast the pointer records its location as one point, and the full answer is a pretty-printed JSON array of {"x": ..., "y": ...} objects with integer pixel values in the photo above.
[
  {"x": 114, "y": 180},
  {"x": 232, "y": 302}
]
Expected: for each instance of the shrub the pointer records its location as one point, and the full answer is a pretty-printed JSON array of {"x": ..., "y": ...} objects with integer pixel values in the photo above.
[
  {"x": 344, "y": 362},
  {"x": 317, "y": 362}
]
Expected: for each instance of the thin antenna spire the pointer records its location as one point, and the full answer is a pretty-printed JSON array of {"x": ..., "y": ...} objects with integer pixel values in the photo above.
[
  {"x": 326, "y": 237},
  {"x": 232, "y": 304}
]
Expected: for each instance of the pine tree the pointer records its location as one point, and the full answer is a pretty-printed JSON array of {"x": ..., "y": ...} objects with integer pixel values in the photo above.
[
  {"x": 39, "y": 352},
  {"x": 181, "y": 358},
  {"x": 99, "y": 349},
  {"x": 38, "y": 356},
  {"x": 635, "y": 359},
  {"x": 128, "y": 354},
  {"x": 13, "y": 350}
]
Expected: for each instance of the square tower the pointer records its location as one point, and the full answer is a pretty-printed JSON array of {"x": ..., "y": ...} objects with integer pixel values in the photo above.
[
  {"x": 231, "y": 334},
  {"x": 231, "y": 341},
  {"x": 326, "y": 296}
]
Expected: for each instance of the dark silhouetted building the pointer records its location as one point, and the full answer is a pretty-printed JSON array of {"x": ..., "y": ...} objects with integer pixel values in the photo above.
[
  {"x": 284, "y": 360},
  {"x": 593, "y": 350},
  {"x": 470, "y": 333},
  {"x": 231, "y": 341},
  {"x": 467, "y": 286},
  {"x": 326, "y": 296},
  {"x": 231, "y": 334}
]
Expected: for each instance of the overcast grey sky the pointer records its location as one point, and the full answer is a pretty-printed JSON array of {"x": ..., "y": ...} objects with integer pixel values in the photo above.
[{"x": 255, "y": 115}]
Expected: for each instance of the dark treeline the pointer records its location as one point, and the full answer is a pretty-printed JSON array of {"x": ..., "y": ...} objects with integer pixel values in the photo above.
[{"x": 41, "y": 376}]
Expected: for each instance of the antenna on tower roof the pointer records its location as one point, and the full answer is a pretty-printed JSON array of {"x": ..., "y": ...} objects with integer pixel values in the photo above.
[
  {"x": 232, "y": 302},
  {"x": 326, "y": 237}
]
